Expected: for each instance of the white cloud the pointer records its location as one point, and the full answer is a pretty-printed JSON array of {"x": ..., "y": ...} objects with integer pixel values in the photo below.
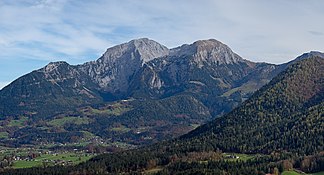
[{"x": 273, "y": 31}]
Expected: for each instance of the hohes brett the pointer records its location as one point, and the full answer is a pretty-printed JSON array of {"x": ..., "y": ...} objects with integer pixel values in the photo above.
[{"x": 198, "y": 108}]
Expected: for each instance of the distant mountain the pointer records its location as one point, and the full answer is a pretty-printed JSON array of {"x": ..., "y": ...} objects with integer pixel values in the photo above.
[
  {"x": 137, "y": 92},
  {"x": 59, "y": 86},
  {"x": 282, "y": 120},
  {"x": 113, "y": 71},
  {"x": 170, "y": 95},
  {"x": 207, "y": 70},
  {"x": 138, "y": 68},
  {"x": 280, "y": 123}
]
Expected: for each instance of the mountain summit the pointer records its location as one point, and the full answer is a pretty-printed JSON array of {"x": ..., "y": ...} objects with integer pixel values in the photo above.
[
  {"x": 142, "y": 49},
  {"x": 210, "y": 51},
  {"x": 139, "y": 89},
  {"x": 113, "y": 70},
  {"x": 275, "y": 126}
]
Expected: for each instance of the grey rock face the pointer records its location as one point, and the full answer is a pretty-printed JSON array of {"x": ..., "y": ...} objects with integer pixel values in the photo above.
[
  {"x": 113, "y": 71},
  {"x": 208, "y": 51},
  {"x": 118, "y": 64},
  {"x": 59, "y": 71},
  {"x": 144, "y": 67}
]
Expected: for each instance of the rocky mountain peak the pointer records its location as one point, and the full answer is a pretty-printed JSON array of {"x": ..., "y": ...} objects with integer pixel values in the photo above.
[
  {"x": 52, "y": 66},
  {"x": 149, "y": 49},
  {"x": 210, "y": 51},
  {"x": 142, "y": 49},
  {"x": 113, "y": 70},
  {"x": 310, "y": 54},
  {"x": 306, "y": 56}
]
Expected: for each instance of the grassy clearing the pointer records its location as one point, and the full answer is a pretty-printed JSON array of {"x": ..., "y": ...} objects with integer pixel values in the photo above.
[
  {"x": 153, "y": 171},
  {"x": 194, "y": 126},
  {"x": 88, "y": 135},
  {"x": 242, "y": 157},
  {"x": 3, "y": 135},
  {"x": 245, "y": 88},
  {"x": 38, "y": 161},
  {"x": 26, "y": 164},
  {"x": 113, "y": 109},
  {"x": 121, "y": 129},
  {"x": 290, "y": 173},
  {"x": 65, "y": 120},
  {"x": 19, "y": 122},
  {"x": 67, "y": 156},
  {"x": 295, "y": 173}
]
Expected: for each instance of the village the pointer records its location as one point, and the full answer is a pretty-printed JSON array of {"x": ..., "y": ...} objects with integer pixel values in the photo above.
[{"x": 30, "y": 157}]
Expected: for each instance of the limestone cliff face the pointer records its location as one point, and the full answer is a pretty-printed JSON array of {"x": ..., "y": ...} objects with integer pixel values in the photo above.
[
  {"x": 118, "y": 64},
  {"x": 208, "y": 69},
  {"x": 182, "y": 64},
  {"x": 208, "y": 52}
]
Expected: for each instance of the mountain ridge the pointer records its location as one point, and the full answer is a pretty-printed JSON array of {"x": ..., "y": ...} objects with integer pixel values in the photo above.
[
  {"x": 205, "y": 75},
  {"x": 291, "y": 95},
  {"x": 287, "y": 130},
  {"x": 277, "y": 127}
]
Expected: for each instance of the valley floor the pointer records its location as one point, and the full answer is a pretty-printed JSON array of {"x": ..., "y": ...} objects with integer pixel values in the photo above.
[{"x": 33, "y": 157}]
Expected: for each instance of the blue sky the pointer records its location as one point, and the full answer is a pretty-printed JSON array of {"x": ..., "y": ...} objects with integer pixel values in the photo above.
[{"x": 35, "y": 32}]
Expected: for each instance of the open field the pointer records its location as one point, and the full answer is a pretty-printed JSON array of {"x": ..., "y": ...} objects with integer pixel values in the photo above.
[
  {"x": 75, "y": 120},
  {"x": 26, "y": 164},
  {"x": 289, "y": 173},
  {"x": 236, "y": 156},
  {"x": 52, "y": 159},
  {"x": 295, "y": 173},
  {"x": 115, "y": 109},
  {"x": 18, "y": 122},
  {"x": 121, "y": 128},
  {"x": 153, "y": 171},
  {"x": 3, "y": 135},
  {"x": 32, "y": 157}
]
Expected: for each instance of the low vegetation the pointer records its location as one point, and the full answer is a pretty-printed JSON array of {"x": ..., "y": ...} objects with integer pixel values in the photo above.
[
  {"x": 278, "y": 130},
  {"x": 30, "y": 157}
]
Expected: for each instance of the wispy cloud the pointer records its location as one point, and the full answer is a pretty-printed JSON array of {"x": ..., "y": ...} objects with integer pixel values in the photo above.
[
  {"x": 49, "y": 30},
  {"x": 41, "y": 29},
  {"x": 316, "y": 33}
]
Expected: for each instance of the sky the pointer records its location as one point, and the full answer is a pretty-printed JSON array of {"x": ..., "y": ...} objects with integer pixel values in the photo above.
[{"x": 36, "y": 32}]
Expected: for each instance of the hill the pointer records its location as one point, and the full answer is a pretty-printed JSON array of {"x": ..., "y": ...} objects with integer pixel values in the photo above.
[{"x": 286, "y": 114}]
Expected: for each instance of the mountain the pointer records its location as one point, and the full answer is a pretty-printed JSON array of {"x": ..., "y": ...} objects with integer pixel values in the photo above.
[
  {"x": 282, "y": 120},
  {"x": 59, "y": 86},
  {"x": 42, "y": 93},
  {"x": 279, "y": 124},
  {"x": 118, "y": 64},
  {"x": 286, "y": 114},
  {"x": 135, "y": 93},
  {"x": 208, "y": 70}
]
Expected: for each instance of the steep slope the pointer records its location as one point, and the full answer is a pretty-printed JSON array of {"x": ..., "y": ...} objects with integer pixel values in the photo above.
[
  {"x": 206, "y": 75},
  {"x": 131, "y": 122},
  {"x": 283, "y": 119},
  {"x": 59, "y": 86},
  {"x": 285, "y": 116},
  {"x": 113, "y": 71},
  {"x": 42, "y": 93},
  {"x": 208, "y": 70}
]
